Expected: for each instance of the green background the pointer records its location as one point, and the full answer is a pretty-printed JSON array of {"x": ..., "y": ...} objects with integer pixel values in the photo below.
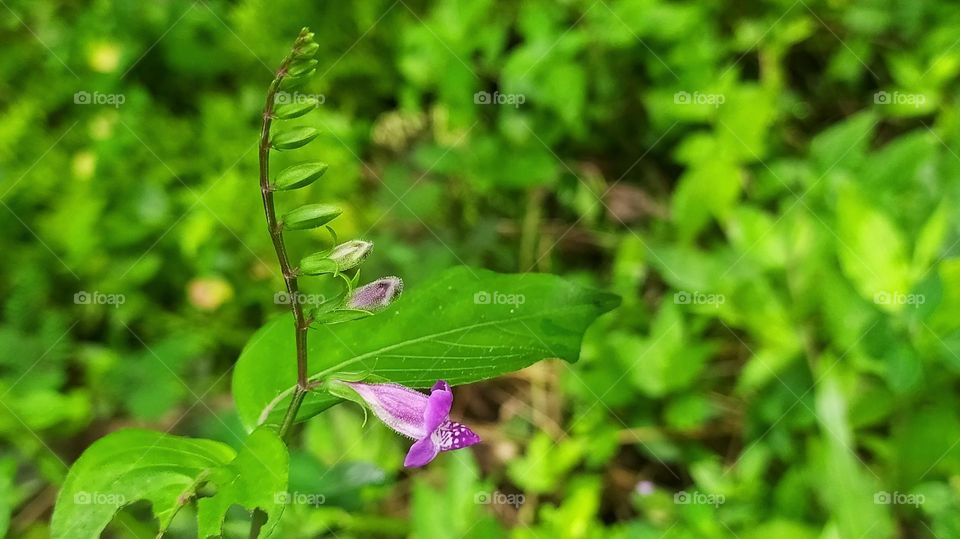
[{"x": 769, "y": 185}]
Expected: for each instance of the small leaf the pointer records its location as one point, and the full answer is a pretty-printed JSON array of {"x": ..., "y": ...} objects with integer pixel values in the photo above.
[
  {"x": 310, "y": 216},
  {"x": 292, "y": 82},
  {"x": 299, "y": 176},
  {"x": 300, "y": 67},
  {"x": 306, "y": 51},
  {"x": 298, "y": 108},
  {"x": 318, "y": 264},
  {"x": 295, "y": 138},
  {"x": 464, "y": 326},
  {"x": 339, "y": 316}
]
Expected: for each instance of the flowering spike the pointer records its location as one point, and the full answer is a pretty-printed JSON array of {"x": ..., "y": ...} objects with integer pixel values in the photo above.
[
  {"x": 376, "y": 295},
  {"x": 425, "y": 418}
]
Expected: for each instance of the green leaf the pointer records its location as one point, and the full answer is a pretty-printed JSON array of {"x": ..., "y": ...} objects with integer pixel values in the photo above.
[
  {"x": 298, "y": 108},
  {"x": 127, "y": 466},
  {"x": 458, "y": 507},
  {"x": 299, "y": 176},
  {"x": 8, "y": 469},
  {"x": 300, "y": 67},
  {"x": 466, "y": 325},
  {"x": 706, "y": 189},
  {"x": 310, "y": 216},
  {"x": 292, "y": 82},
  {"x": 135, "y": 464},
  {"x": 257, "y": 478},
  {"x": 872, "y": 250},
  {"x": 930, "y": 239},
  {"x": 843, "y": 145},
  {"x": 851, "y": 502},
  {"x": 306, "y": 51},
  {"x": 294, "y": 138}
]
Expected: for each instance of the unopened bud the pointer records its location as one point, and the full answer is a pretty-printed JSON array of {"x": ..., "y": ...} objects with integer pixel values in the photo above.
[
  {"x": 345, "y": 256},
  {"x": 376, "y": 295}
]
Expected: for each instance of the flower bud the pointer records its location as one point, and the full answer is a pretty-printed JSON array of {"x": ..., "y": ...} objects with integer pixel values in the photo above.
[
  {"x": 345, "y": 256},
  {"x": 376, "y": 295}
]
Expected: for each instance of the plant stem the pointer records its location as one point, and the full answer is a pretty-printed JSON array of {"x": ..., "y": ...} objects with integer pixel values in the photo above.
[{"x": 275, "y": 227}]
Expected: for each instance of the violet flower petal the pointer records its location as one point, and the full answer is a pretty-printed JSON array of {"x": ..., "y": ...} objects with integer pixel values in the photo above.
[
  {"x": 453, "y": 435},
  {"x": 421, "y": 453},
  {"x": 438, "y": 406},
  {"x": 376, "y": 295},
  {"x": 400, "y": 407},
  {"x": 424, "y": 418}
]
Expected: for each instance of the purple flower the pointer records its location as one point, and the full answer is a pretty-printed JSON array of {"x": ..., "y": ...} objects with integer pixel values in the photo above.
[
  {"x": 376, "y": 295},
  {"x": 424, "y": 418}
]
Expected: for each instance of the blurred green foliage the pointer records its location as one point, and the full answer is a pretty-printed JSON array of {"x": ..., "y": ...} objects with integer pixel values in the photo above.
[{"x": 769, "y": 185}]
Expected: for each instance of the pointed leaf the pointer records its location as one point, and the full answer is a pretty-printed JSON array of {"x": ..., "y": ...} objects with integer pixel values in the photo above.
[
  {"x": 300, "y": 67},
  {"x": 296, "y": 109},
  {"x": 295, "y": 138},
  {"x": 310, "y": 216},
  {"x": 299, "y": 176},
  {"x": 467, "y": 325},
  {"x": 293, "y": 82},
  {"x": 306, "y": 51}
]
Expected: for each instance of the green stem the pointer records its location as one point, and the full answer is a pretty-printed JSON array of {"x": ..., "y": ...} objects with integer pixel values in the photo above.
[
  {"x": 291, "y": 415},
  {"x": 275, "y": 227}
]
